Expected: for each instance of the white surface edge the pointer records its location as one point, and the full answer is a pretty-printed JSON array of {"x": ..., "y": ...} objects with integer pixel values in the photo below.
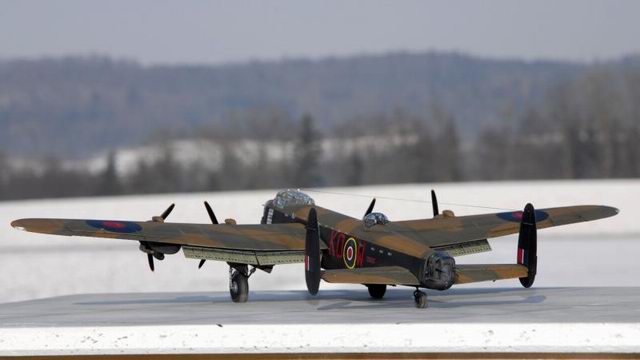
[{"x": 332, "y": 338}]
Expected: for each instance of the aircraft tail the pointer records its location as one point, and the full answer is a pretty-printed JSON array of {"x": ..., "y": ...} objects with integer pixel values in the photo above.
[
  {"x": 312, "y": 254},
  {"x": 527, "y": 259},
  {"x": 528, "y": 245}
]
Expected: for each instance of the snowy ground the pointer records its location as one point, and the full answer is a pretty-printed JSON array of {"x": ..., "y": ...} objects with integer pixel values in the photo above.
[{"x": 602, "y": 253}]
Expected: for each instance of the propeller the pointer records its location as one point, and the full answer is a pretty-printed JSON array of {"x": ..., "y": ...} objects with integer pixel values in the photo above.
[
  {"x": 168, "y": 211},
  {"x": 150, "y": 260},
  {"x": 212, "y": 216},
  {"x": 370, "y": 208},
  {"x": 214, "y": 221},
  {"x": 163, "y": 216},
  {"x": 434, "y": 203},
  {"x": 146, "y": 248}
]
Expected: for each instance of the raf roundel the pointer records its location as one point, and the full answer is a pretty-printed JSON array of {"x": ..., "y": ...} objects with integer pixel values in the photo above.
[
  {"x": 350, "y": 253},
  {"x": 516, "y": 216},
  {"x": 123, "y": 227}
]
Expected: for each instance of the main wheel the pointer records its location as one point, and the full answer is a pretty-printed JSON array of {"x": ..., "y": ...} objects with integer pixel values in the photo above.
[
  {"x": 377, "y": 291},
  {"x": 239, "y": 287},
  {"x": 420, "y": 299}
]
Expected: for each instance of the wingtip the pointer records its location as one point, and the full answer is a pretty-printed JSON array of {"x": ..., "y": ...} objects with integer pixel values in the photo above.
[
  {"x": 607, "y": 211},
  {"x": 17, "y": 224}
]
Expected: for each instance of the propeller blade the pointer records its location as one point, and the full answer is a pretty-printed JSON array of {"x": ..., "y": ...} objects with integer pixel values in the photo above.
[
  {"x": 201, "y": 263},
  {"x": 212, "y": 216},
  {"x": 434, "y": 203},
  {"x": 167, "y": 212},
  {"x": 150, "y": 260},
  {"x": 370, "y": 208}
]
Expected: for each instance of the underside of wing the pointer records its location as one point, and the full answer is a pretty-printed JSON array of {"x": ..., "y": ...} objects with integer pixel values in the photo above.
[
  {"x": 387, "y": 275},
  {"x": 466, "y": 274},
  {"x": 249, "y": 257},
  {"x": 448, "y": 231},
  {"x": 263, "y": 237}
]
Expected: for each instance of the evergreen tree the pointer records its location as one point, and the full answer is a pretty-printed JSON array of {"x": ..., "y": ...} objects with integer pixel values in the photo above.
[
  {"x": 4, "y": 175},
  {"x": 449, "y": 150},
  {"x": 109, "y": 181},
  {"x": 355, "y": 170},
  {"x": 308, "y": 151}
]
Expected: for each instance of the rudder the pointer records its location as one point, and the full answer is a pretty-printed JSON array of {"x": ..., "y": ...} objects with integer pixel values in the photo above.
[{"x": 527, "y": 245}]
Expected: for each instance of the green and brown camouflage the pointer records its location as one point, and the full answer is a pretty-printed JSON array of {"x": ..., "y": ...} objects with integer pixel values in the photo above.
[
  {"x": 413, "y": 244},
  {"x": 366, "y": 251}
]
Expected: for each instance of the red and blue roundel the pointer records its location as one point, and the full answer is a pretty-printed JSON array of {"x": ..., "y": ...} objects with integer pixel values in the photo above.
[
  {"x": 516, "y": 216},
  {"x": 115, "y": 226},
  {"x": 350, "y": 253}
]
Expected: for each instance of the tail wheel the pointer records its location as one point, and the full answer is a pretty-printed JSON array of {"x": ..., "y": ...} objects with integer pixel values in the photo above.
[
  {"x": 377, "y": 291},
  {"x": 420, "y": 299},
  {"x": 239, "y": 287}
]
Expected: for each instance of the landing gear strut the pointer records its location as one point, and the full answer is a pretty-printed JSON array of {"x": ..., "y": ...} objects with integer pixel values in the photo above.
[
  {"x": 239, "y": 283},
  {"x": 420, "y": 298}
]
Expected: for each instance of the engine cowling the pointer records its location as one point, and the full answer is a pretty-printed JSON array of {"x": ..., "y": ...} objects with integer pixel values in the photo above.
[
  {"x": 439, "y": 271},
  {"x": 158, "y": 250}
]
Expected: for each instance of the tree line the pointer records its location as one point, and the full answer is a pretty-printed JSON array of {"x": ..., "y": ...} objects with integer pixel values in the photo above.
[{"x": 588, "y": 127}]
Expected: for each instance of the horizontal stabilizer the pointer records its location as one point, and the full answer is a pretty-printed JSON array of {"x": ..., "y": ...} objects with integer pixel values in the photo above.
[
  {"x": 488, "y": 272},
  {"x": 387, "y": 275}
]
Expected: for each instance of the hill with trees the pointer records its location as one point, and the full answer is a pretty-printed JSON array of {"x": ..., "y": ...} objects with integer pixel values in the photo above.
[
  {"x": 73, "y": 107},
  {"x": 95, "y": 126}
]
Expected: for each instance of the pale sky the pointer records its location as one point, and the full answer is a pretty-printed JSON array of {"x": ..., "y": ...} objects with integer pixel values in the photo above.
[{"x": 192, "y": 31}]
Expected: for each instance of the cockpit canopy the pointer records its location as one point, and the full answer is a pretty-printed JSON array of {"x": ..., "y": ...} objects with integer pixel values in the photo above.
[
  {"x": 375, "y": 218},
  {"x": 291, "y": 197}
]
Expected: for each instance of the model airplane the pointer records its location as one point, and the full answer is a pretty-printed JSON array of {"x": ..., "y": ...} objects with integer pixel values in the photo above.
[{"x": 340, "y": 249}]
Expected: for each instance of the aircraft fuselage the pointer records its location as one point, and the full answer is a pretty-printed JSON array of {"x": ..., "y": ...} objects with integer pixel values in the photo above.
[{"x": 345, "y": 250}]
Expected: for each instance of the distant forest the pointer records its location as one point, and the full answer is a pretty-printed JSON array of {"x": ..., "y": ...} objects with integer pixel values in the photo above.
[{"x": 393, "y": 118}]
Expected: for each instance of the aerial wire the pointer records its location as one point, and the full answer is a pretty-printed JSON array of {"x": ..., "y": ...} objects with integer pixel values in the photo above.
[{"x": 404, "y": 199}]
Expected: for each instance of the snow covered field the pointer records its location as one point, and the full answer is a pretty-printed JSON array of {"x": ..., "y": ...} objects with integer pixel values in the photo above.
[{"x": 602, "y": 253}]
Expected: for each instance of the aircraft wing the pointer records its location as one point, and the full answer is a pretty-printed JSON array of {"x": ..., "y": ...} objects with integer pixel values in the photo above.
[
  {"x": 271, "y": 237},
  {"x": 447, "y": 231}
]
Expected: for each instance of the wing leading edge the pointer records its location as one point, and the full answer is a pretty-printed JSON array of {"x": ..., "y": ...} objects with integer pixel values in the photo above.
[
  {"x": 263, "y": 237},
  {"x": 445, "y": 231}
]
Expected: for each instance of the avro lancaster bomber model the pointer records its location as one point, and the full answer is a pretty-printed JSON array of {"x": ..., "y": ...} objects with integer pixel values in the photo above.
[{"x": 337, "y": 248}]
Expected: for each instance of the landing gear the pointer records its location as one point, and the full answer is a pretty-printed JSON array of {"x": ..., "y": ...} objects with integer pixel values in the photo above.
[
  {"x": 420, "y": 298},
  {"x": 376, "y": 291},
  {"x": 239, "y": 284}
]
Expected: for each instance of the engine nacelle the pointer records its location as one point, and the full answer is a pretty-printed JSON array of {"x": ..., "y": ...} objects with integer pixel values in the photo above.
[
  {"x": 439, "y": 271},
  {"x": 159, "y": 249}
]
